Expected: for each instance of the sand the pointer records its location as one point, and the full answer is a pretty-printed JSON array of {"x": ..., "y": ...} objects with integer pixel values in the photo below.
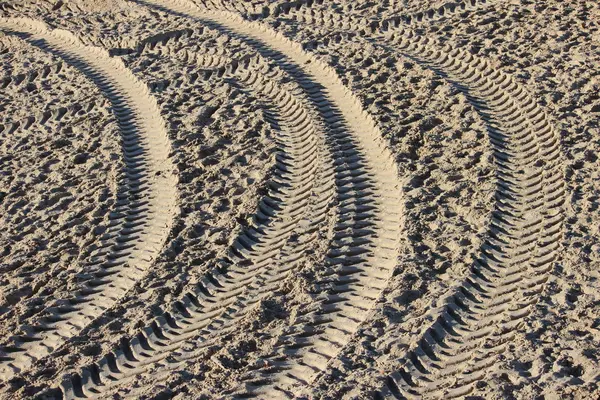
[{"x": 304, "y": 199}]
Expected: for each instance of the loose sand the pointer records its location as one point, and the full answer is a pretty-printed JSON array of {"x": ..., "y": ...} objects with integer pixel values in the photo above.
[{"x": 207, "y": 199}]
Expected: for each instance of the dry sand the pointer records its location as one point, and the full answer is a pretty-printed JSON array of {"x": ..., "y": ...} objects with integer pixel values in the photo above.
[{"x": 207, "y": 199}]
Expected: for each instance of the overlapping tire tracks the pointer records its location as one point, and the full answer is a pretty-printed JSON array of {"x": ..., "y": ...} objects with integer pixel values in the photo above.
[
  {"x": 364, "y": 246},
  {"x": 140, "y": 221},
  {"x": 525, "y": 229},
  {"x": 299, "y": 193},
  {"x": 486, "y": 308},
  {"x": 524, "y": 234}
]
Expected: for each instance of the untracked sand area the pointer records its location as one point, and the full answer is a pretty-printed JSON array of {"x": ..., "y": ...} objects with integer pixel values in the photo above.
[{"x": 307, "y": 199}]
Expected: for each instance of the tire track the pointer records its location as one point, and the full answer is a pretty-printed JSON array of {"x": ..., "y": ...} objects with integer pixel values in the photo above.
[
  {"x": 304, "y": 12},
  {"x": 494, "y": 301},
  {"x": 480, "y": 318},
  {"x": 529, "y": 280},
  {"x": 258, "y": 260},
  {"x": 484, "y": 299},
  {"x": 145, "y": 204},
  {"x": 366, "y": 183},
  {"x": 351, "y": 265},
  {"x": 482, "y": 342},
  {"x": 257, "y": 74}
]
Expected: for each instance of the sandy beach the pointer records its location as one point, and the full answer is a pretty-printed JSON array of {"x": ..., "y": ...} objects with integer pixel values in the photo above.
[{"x": 308, "y": 199}]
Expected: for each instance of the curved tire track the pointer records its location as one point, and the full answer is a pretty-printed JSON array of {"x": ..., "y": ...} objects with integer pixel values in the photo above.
[
  {"x": 523, "y": 239},
  {"x": 369, "y": 216},
  {"x": 364, "y": 174},
  {"x": 259, "y": 259},
  {"x": 518, "y": 129},
  {"x": 141, "y": 220}
]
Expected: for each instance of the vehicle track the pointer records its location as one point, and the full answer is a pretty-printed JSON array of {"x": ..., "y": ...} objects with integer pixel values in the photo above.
[
  {"x": 454, "y": 353},
  {"x": 485, "y": 310},
  {"x": 354, "y": 230},
  {"x": 487, "y": 307},
  {"x": 260, "y": 258},
  {"x": 485, "y": 298},
  {"x": 145, "y": 204},
  {"x": 343, "y": 238},
  {"x": 366, "y": 181},
  {"x": 481, "y": 317}
]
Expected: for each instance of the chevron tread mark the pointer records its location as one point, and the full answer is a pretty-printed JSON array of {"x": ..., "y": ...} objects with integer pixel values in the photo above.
[
  {"x": 480, "y": 319},
  {"x": 256, "y": 263}
]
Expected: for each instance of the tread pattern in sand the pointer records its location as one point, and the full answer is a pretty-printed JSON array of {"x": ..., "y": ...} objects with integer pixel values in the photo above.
[
  {"x": 139, "y": 222},
  {"x": 357, "y": 266},
  {"x": 299, "y": 193},
  {"x": 480, "y": 319},
  {"x": 364, "y": 245},
  {"x": 332, "y": 204},
  {"x": 524, "y": 236}
]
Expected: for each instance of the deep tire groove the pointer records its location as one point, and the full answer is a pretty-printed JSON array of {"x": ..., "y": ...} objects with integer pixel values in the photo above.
[
  {"x": 115, "y": 268},
  {"x": 483, "y": 314}
]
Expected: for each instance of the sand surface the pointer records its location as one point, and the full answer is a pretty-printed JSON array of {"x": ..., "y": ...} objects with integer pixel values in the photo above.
[{"x": 213, "y": 199}]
